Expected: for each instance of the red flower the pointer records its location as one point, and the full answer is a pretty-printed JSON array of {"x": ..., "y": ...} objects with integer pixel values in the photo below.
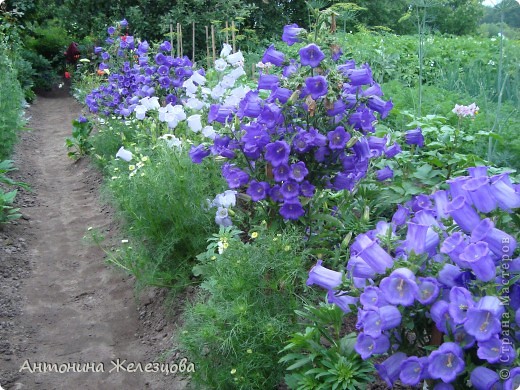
[{"x": 67, "y": 75}]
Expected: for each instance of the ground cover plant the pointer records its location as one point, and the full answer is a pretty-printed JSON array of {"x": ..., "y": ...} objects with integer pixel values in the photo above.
[{"x": 302, "y": 165}]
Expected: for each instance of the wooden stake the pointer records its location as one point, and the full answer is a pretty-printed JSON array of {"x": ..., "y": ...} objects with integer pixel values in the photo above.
[
  {"x": 233, "y": 36},
  {"x": 227, "y": 32},
  {"x": 180, "y": 33},
  {"x": 207, "y": 47},
  {"x": 178, "y": 41},
  {"x": 193, "y": 42},
  {"x": 213, "y": 42},
  {"x": 171, "y": 39}
]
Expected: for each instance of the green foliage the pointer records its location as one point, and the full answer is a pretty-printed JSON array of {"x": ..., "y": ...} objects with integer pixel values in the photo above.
[
  {"x": 11, "y": 100},
  {"x": 244, "y": 310},
  {"x": 8, "y": 212},
  {"x": 79, "y": 142},
  {"x": 161, "y": 197},
  {"x": 49, "y": 40},
  {"x": 321, "y": 358}
]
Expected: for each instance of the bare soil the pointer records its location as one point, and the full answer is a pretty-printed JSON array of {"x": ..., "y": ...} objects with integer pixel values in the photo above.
[{"x": 60, "y": 303}]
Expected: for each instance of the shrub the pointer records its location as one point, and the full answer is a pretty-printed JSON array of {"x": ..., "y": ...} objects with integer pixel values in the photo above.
[
  {"x": 244, "y": 310},
  {"x": 162, "y": 198}
]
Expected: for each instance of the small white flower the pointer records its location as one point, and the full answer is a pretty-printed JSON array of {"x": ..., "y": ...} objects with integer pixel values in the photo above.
[
  {"x": 237, "y": 72},
  {"x": 140, "y": 112},
  {"x": 220, "y": 65},
  {"x": 195, "y": 104},
  {"x": 171, "y": 140},
  {"x": 209, "y": 132},
  {"x": 124, "y": 154},
  {"x": 226, "y": 50},
  {"x": 191, "y": 88},
  {"x": 194, "y": 123},
  {"x": 196, "y": 77},
  {"x": 226, "y": 199}
]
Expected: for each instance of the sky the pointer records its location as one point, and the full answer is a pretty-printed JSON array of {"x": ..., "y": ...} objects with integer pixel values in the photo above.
[{"x": 491, "y": 3}]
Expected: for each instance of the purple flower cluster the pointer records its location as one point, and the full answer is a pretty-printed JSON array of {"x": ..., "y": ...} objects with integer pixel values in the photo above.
[
  {"x": 443, "y": 262},
  {"x": 136, "y": 73},
  {"x": 291, "y": 138}
]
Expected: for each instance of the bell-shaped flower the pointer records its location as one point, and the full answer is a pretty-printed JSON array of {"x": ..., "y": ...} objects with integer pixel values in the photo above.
[
  {"x": 454, "y": 246},
  {"x": 324, "y": 277},
  {"x": 514, "y": 380},
  {"x": 384, "y": 174},
  {"x": 428, "y": 290},
  {"x": 441, "y": 316},
  {"x": 490, "y": 350},
  {"x": 257, "y": 190},
  {"x": 222, "y": 217},
  {"x": 480, "y": 171},
  {"x": 124, "y": 154},
  {"x": 393, "y": 150},
  {"x": 338, "y": 138},
  {"x": 375, "y": 256},
  {"x": 465, "y": 215},
  {"x": 401, "y": 215},
  {"x": 413, "y": 370},
  {"x": 483, "y": 378},
  {"x": 195, "y": 104},
  {"x": 220, "y": 65},
  {"x": 236, "y": 59},
  {"x": 298, "y": 171},
  {"x": 219, "y": 113},
  {"x": 194, "y": 123},
  {"x": 292, "y": 209},
  {"x": 414, "y": 137},
  {"x": 226, "y": 199},
  {"x": 277, "y": 153},
  {"x": 376, "y": 320},
  {"x": 441, "y": 201},
  {"x": 456, "y": 188},
  {"x": 479, "y": 191},
  {"x": 311, "y": 55},
  {"x": 372, "y": 296},
  {"x": 400, "y": 287},
  {"x": 317, "y": 86},
  {"x": 366, "y": 345},
  {"x": 379, "y": 105},
  {"x": 209, "y": 132},
  {"x": 234, "y": 176},
  {"x": 483, "y": 320},
  {"x": 461, "y": 301},
  {"x": 390, "y": 368},
  {"x": 499, "y": 242},
  {"x": 342, "y": 300},
  {"x": 415, "y": 238},
  {"x": 273, "y": 56},
  {"x": 198, "y": 153},
  {"x": 140, "y": 112},
  {"x": 358, "y": 268},
  {"x": 477, "y": 255},
  {"x": 446, "y": 362},
  {"x": 291, "y": 34},
  {"x": 503, "y": 191},
  {"x": 360, "y": 76},
  {"x": 226, "y": 50},
  {"x": 268, "y": 82}
]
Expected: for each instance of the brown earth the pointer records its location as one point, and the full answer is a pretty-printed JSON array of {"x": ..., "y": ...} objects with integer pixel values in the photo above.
[{"x": 59, "y": 300}]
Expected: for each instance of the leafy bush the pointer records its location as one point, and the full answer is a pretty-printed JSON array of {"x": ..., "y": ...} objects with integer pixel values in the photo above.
[
  {"x": 244, "y": 310},
  {"x": 8, "y": 212},
  {"x": 11, "y": 99}
]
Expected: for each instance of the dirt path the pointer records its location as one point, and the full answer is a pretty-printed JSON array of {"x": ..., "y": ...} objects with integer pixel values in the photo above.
[{"x": 59, "y": 301}]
